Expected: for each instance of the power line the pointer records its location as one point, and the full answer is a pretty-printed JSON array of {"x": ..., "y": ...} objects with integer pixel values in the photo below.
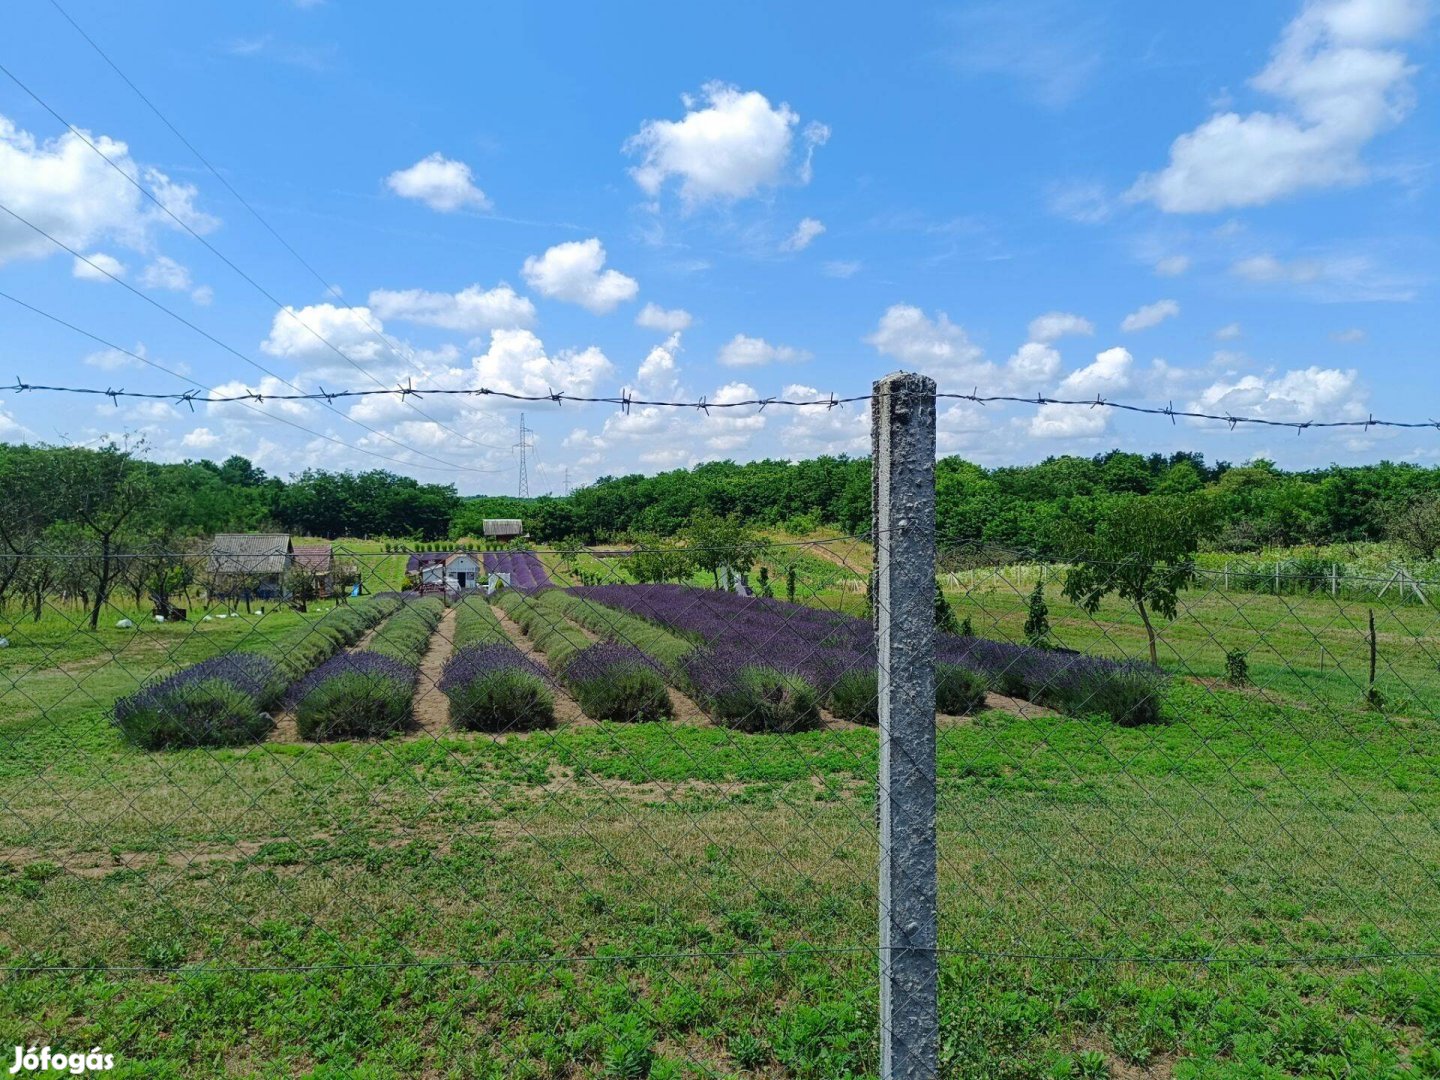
[
  {"x": 255, "y": 408},
  {"x": 626, "y": 401},
  {"x": 160, "y": 203},
  {"x": 228, "y": 348}
]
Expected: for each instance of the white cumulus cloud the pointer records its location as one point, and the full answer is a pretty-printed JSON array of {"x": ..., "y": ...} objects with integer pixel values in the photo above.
[
  {"x": 302, "y": 334},
  {"x": 1339, "y": 83},
  {"x": 1304, "y": 394},
  {"x": 659, "y": 371},
  {"x": 1172, "y": 265},
  {"x": 654, "y": 317},
  {"x": 11, "y": 430},
  {"x": 440, "y": 183},
  {"x": 729, "y": 145},
  {"x": 517, "y": 363},
  {"x": 114, "y": 359},
  {"x": 98, "y": 266},
  {"x": 1033, "y": 364},
  {"x": 200, "y": 438},
  {"x": 805, "y": 232},
  {"x": 574, "y": 272},
  {"x": 471, "y": 310},
  {"x": 743, "y": 351},
  {"x": 1110, "y": 372},
  {"x": 67, "y": 189},
  {"x": 166, "y": 273},
  {"x": 1148, "y": 315},
  {"x": 935, "y": 347},
  {"x": 1054, "y": 325}
]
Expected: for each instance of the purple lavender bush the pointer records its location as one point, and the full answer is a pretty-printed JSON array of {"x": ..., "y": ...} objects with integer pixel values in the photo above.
[
  {"x": 832, "y": 652},
  {"x": 741, "y": 694},
  {"x": 224, "y": 701},
  {"x": 497, "y": 688},
  {"x": 617, "y": 682},
  {"x": 355, "y": 695}
]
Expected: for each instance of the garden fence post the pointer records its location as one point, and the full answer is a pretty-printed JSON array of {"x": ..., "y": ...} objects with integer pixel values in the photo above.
[{"x": 903, "y": 461}]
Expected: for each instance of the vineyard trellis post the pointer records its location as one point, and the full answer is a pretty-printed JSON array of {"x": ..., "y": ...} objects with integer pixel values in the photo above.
[{"x": 903, "y": 443}]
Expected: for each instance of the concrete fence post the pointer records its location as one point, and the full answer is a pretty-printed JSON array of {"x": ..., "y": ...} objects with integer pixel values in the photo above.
[{"x": 903, "y": 462}]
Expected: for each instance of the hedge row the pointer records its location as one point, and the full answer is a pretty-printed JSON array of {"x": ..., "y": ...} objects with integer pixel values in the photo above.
[
  {"x": 371, "y": 693},
  {"x": 609, "y": 681},
  {"x": 476, "y": 624},
  {"x": 737, "y": 689},
  {"x": 227, "y": 700},
  {"x": 491, "y": 685},
  {"x": 835, "y": 653}
]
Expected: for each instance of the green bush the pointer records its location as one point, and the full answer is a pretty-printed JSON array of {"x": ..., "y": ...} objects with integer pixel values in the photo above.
[
  {"x": 212, "y": 712},
  {"x": 958, "y": 690},
  {"x": 761, "y": 699},
  {"x": 303, "y": 648},
  {"x": 625, "y": 695},
  {"x": 1237, "y": 667},
  {"x": 855, "y": 696},
  {"x": 945, "y": 621},
  {"x": 1130, "y": 697},
  {"x": 655, "y": 641},
  {"x": 356, "y": 704},
  {"x": 476, "y": 624},
  {"x": 549, "y": 630},
  {"x": 503, "y": 701},
  {"x": 1037, "y": 618},
  {"x": 406, "y": 636}
]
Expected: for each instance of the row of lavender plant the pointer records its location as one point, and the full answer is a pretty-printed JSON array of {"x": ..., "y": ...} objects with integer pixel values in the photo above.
[
  {"x": 370, "y": 693},
  {"x": 609, "y": 680},
  {"x": 228, "y": 700},
  {"x": 490, "y": 684},
  {"x": 736, "y": 687},
  {"x": 835, "y": 653},
  {"x": 524, "y": 569}
]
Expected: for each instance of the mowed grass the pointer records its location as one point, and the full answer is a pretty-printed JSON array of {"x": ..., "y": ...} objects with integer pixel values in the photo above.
[{"x": 1246, "y": 891}]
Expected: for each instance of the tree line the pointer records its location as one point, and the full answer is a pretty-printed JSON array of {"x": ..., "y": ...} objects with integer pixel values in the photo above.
[{"x": 111, "y": 500}]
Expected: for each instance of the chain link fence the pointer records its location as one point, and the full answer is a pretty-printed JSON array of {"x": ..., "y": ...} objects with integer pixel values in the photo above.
[{"x": 613, "y": 812}]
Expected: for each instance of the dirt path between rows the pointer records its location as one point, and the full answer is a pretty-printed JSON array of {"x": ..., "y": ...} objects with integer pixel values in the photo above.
[
  {"x": 567, "y": 712},
  {"x": 432, "y": 708}
]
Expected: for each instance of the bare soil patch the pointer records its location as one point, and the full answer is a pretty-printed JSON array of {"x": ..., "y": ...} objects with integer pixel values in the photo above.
[
  {"x": 1025, "y": 710},
  {"x": 432, "y": 708}
]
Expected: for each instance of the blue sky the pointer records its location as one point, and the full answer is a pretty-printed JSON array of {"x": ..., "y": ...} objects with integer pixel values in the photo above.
[{"x": 1229, "y": 206}]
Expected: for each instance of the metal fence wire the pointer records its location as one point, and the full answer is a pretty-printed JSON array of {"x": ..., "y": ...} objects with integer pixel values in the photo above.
[{"x": 613, "y": 820}]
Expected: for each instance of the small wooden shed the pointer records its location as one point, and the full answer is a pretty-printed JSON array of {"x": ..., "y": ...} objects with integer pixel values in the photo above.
[
  {"x": 503, "y": 528},
  {"x": 250, "y": 563}
]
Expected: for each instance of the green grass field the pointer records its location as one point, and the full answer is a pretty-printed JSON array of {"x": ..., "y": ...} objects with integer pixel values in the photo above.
[{"x": 1246, "y": 891}]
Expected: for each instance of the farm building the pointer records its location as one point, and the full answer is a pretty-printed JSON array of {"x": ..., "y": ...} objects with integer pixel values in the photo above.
[
  {"x": 252, "y": 564},
  {"x": 318, "y": 561},
  {"x": 503, "y": 528},
  {"x": 448, "y": 571}
]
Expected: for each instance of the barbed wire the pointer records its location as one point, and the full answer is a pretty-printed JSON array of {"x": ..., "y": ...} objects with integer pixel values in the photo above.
[{"x": 625, "y": 400}]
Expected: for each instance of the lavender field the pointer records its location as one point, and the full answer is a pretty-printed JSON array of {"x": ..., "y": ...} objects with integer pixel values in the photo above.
[{"x": 524, "y": 569}]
